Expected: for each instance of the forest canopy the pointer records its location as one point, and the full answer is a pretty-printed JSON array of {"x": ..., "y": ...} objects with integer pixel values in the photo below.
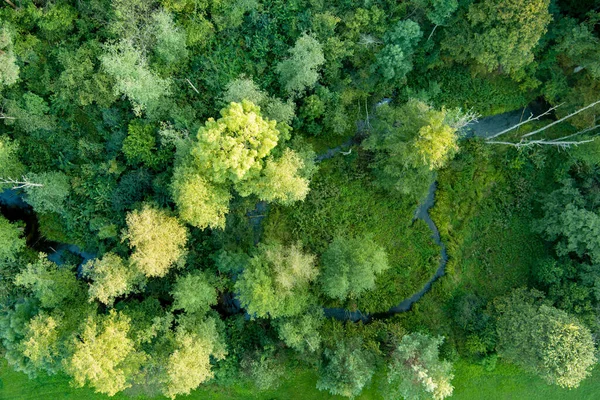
[{"x": 222, "y": 195}]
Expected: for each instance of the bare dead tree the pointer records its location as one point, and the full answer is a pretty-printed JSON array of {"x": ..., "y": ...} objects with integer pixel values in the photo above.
[
  {"x": 192, "y": 85},
  {"x": 11, "y": 4},
  {"x": 20, "y": 184},
  {"x": 563, "y": 141},
  {"x": 559, "y": 142},
  {"x": 558, "y": 121},
  {"x": 531, "y": 118}
]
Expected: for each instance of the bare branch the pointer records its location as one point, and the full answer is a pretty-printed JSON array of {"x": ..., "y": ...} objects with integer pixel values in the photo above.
[
  {"x": 11, "y": 4},
  {"x": 192, "y": 85},
  {"x": 531, "y": 118},
  {"x": 19, "y": 184},
  {"x": 562, "y": 119},
  {"x": 543, "y": 142},
  {"x": 577, "y": 133},
  {"x": 431, "y": 34}
]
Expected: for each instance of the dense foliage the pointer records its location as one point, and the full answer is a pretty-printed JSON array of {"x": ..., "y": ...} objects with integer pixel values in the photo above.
[{"x": 224, "y": 193}]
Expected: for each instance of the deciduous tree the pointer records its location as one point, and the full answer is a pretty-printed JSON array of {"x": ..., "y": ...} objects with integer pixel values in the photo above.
[
  {"x": 275, "y": 281},
  {"x": 11, "y": 239},
  {"x": 111, "y": 277},
  {"x": 104, "y": 355},
  {"x": 350, "y": 266},
  {"x": 415, "y": 370},
  {"x": 193, "y": 293},
  {"x": 543, "y": 339},
  {"x": 499, "y": 34},
  {"x": 301, "y": 70},
  {"x": 157, "y": 239}
]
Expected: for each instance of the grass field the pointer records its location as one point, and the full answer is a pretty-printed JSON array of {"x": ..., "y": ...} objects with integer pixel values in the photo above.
[{"x": 471, "y": 382}]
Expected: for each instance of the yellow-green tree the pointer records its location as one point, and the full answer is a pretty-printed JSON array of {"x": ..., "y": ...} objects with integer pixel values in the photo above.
[
  {"x": 111, "y": 277},
  {"x": 103, "y": 354},
  {"x": 233, "y": 152},
  {"x": 275, "y": 281},
  {"x": 189, "y": 364},
  {"x": 158, "y": 241}
]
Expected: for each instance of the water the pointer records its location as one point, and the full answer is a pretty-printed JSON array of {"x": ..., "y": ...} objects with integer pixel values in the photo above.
[{"x": 14, "y": 208}]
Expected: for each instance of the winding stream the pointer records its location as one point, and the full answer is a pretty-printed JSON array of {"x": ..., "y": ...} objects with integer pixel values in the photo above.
[
  {"x": 14, "y": 208},
  {"x": 482, "y": 128}
]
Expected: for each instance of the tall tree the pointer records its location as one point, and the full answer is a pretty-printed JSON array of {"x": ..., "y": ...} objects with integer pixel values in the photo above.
[
  {"x": 9, "y": 69},
  {"x": 189, "y": 364},
  {"x": 410, "y": 142},
  {"x": 543, "y": 339},
  {"x": 415, "y": 370},
  {"x": 133, "y": 77},
  {"x": 301, "y": 70},
  {"x": 51, "y": 195},
  {"x": 394, "y": 60},
  {"x": 10, "y": 166},
  {"x": 499, "y": 34},
  {"x": 233, "y": 151},
  {"x": 350, "y": 266},
  {"x": 103, "y": 354},
  {"x": 276, "y": 280},
  {"x": 346, "y": 368},
  {"x": 157, "y": 239},
  {"x": 111, "y": 277},
  {"x": 49, "y": 283},
  {"x": 193, "y": 293},
  {"x": 11, "y": 239}
]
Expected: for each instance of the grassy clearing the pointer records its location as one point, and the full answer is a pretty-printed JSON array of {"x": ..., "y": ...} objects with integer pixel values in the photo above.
[
  {"x": 471, "y": 382},
  {"x": 508, "y": 382},
  {"x": 343, "y": 201}
]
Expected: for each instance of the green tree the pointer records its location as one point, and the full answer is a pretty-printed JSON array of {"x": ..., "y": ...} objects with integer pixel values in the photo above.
[
  {"x": 9, "y": 69},
  {"x": 81, "y": 83},
  {"x": 276, "y": 280},
  {"x": 568, "y": 222},
  {"x": 350, "y": 266},
  {"x": 199, "y": 202},
  {"x": 231, "y": 147},
  {"x": 279, "y": 180},
  {"x": 111, "y": 277},
  {"x": 499, "y": 33},
  {"x": 273, "y": 108},
  {"x": 346, "y": 368},
  {"x": 30, "y": 113},
  {"x": 42, "y": 343},
  {"x": 49, "y": 283},
  {"x": 581, "y": 47},
  {"x": 170, "y": 47},
  {"x": 301, "y": 70},
  {"x": 301, "y": 332},
  {"x": 189, "y": 364},
  {"x": 51, "y": 196},
  {"x": 543, "y": 339},
  {"x": 157, "y": 239},
  {"x": 410, "y": 142},
  {"x": 233, "y": 151},
  {"x": 193, "y": 293},
  {"x": 104, "y": 355},
  {"x": 11, "y": 237},
  {"x": 415, "y": 370},
  {"x": 140, "y": 144},
  {"x": 10, "y": 166},
  {"x": 394, "y": 60},
  {"x": 134, "y": 79}
]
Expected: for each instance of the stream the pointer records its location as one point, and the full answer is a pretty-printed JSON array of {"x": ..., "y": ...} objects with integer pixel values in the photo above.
[
  {"x": 483, "y": 128},
  {"x": 14, "y": 208}
]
